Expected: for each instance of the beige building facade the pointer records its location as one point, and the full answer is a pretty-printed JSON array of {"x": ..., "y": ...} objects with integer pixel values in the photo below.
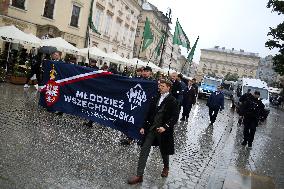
[
  {"x": 158, "y": 25},
  {"x": 116, "y": 21},
  {"x": 221, "y": 61},
  {"x": 48, "y": 18}
]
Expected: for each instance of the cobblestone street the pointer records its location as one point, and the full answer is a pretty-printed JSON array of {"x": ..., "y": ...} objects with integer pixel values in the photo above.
[{"x": 42, "y": 150}]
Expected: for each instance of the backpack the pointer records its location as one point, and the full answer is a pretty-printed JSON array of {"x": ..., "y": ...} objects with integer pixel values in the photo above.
[{"x": 251, "y": 108}]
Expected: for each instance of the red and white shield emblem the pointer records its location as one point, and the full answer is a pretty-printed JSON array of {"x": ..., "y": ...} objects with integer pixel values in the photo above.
[{"x": 51, "y": 92}]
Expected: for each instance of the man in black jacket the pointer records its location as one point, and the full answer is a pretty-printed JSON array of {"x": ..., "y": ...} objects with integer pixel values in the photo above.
[
  {"x": 176, "y": 88},
  {"x": 253, "y": 107},
  {"x": 158, "y": 127},
  {"x": 189, "y": 99}
]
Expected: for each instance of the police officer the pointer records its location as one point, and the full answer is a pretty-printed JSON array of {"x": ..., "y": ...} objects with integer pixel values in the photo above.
[{"x": 215, "y": 103}]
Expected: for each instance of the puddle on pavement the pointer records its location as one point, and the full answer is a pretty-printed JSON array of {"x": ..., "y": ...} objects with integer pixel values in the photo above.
[{"x": 244, "y": 179}]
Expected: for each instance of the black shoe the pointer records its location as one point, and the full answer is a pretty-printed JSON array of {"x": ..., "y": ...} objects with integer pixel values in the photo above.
[
  {"x": 249, "y": 145},
  {"x": 59, "y": 113},
  {"x": 125, "y": 142},
  {"x": 139, "y": 143},
  {"x": 244, "y": 143},
  {"x": 182, "y": 119},
  {"x": 88, "y": 124}
]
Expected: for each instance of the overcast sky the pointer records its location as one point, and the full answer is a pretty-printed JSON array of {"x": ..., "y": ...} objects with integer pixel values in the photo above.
[{"x": 239, "y": 24}]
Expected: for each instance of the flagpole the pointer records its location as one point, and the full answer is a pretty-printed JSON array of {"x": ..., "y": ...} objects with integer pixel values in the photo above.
[
  {"x": 89, "y": 43},
  {"x": 170, "y": 61},
  {"x": 190, "y": 54}
]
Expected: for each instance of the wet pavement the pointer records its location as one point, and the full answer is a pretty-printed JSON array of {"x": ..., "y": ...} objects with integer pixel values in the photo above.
[{"x": 41, "y": 150}]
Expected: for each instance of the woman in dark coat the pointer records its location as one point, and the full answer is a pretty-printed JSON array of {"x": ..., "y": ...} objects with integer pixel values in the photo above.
[{"x": 158, "y": 130}]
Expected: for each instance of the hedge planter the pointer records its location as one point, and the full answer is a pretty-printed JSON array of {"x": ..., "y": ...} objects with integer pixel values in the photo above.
[{"x": 18, "y": 80}]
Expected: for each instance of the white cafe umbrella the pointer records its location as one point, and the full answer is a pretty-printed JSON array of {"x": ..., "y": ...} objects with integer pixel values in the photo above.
[
  {"x": 60, "y": 44},
  {"x": 14, "y": 35},
  {"x": 153, "y": 66},
  {"x": 93, "y": 52},
  {"x": 35, "y": 38},
  {"x": 138, "y": 62},
  {"x": 114, "y": 57}
]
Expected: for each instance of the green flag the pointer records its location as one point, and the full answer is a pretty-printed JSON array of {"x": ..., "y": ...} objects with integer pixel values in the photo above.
[
  {"x": 180, "y": 37},
  {"x": 147, "y": 35},
  {"x": 190, "y": 55},
  {"x": 159, "y": 46},
  {"x": 90, "y": 20}
]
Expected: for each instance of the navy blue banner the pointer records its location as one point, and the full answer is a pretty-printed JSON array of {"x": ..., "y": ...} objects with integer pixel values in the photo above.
[{"x": 111, "y": 100}]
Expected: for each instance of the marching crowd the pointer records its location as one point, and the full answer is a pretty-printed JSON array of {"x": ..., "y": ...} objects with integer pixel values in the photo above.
[{"x": 175, "y": 95}]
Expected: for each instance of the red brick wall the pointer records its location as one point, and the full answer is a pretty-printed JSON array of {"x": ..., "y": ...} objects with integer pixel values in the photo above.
[{"x": 4, "y": 4}]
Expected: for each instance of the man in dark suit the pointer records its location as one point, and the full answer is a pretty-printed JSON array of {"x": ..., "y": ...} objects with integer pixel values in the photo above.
[
  {"x": 189, "y": 99},
  {"x": 176, "y": 88},
  {"x": 158, "y": 130},
  {"x": 195, "y": 85}
]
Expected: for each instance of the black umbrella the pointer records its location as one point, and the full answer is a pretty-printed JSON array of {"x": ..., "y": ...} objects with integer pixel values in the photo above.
[{"x": 47, "y": 50}]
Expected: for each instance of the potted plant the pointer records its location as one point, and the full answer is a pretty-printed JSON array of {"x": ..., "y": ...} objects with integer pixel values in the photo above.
[{"x": 19, "y": 74}]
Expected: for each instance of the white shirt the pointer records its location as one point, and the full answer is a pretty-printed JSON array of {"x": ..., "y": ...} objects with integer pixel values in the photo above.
[{"x": 163, "y": 96}]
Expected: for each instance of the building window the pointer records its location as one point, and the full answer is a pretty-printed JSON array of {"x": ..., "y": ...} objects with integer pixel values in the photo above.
[
  {"x": 132, "y": 35},
  {"x": 125, "y": 35},
  {"x": 75, "y": 16},
  {"x": 49, "y": 8},
  {"x": 98, "y": 16},
  {"x": 117, "y": 27},
  {"x": 18, "y": 4},
  {"x": 108, "y": 24}
]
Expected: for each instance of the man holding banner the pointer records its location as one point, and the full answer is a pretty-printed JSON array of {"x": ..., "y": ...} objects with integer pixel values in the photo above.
[
  {"x": 146, "y": 75},
  {"x": 158, "y": 129}
]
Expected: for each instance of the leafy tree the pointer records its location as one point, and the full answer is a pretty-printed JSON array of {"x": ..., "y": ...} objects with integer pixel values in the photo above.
[
  {"x": 277, "y": 35},
  {"x": 212, "y": 74},
  {"x": 231, "y": 77}
]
